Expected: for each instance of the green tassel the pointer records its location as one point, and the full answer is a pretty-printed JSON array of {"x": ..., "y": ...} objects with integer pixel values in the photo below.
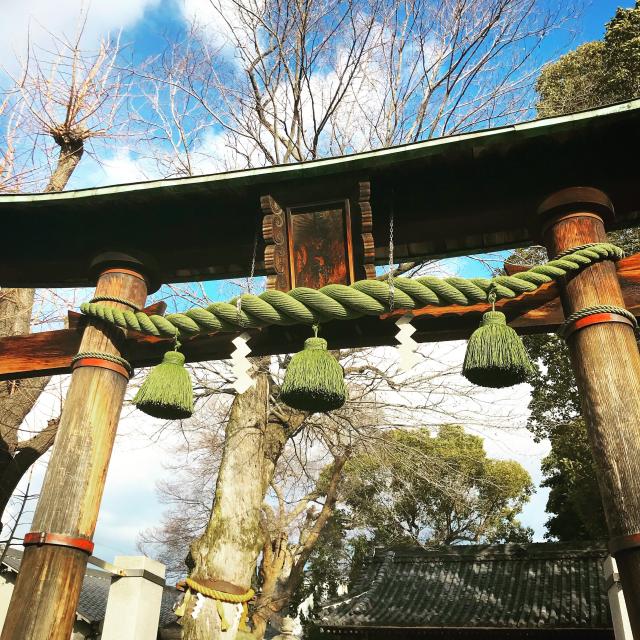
[
  {"x": 167, "y": 392},
  {"x": 495, "y": 354},
  {"x": 314, "y": 380}
]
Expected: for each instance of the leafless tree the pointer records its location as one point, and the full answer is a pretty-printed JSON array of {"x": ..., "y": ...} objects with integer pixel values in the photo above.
[
  {"x": 302, "y": 458},
  {"x": 63, "y": 99},
  {"x": 273, "y": 81}
]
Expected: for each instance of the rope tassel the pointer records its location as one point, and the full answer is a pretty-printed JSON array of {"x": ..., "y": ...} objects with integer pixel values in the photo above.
[
  {"x": 167, "y": 391},
  {"x": 314, "y": 380},
  {"x": 495, "y": 354}
]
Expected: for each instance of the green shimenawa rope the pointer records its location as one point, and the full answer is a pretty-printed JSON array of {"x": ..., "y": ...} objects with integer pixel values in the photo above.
[
  {"x": 303, "y": 305},
  {"x": 117, "y": 299}
]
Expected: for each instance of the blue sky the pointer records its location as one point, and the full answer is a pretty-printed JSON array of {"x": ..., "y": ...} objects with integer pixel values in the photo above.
[{"x": 146, "y": 24}]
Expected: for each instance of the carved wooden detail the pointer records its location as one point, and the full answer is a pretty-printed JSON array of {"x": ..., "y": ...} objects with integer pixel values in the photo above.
[
  {"x": 366, "y": 226},
  {"x": 315, "y": 243},
  {"x": 320, "y": 244},
  {"x": 276, "y": 252}
]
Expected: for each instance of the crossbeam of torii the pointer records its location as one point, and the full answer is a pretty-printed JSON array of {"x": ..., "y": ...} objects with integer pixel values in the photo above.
[
  {"x": 51, "y": 352},
  {"x": 554, "y": 181}
]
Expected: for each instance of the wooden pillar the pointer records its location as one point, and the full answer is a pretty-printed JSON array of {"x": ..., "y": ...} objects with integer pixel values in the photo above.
[
  {"x": 606, "y": 363},
  {"x": 45, "y": 598}
]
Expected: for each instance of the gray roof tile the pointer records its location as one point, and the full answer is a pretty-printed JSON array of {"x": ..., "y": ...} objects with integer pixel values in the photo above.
[{"x": 526, "y": 586}]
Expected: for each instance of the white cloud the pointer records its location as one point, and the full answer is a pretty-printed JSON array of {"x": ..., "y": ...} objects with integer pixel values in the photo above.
[
  {"x": 36, "y": 20},
  {"x": 121, "y": 168},
  {"x": 221, "y": 23}
]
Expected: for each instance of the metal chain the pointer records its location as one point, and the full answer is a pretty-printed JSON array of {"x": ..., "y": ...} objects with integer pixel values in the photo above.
[
  {"x": 253, "y": 262},
  {"x": 250, "y": 279}
]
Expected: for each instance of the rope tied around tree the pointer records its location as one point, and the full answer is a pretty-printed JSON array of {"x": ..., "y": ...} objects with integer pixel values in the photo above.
[
  {"x": 219, "y": 597},
  {"x": 304, "y": 305}
]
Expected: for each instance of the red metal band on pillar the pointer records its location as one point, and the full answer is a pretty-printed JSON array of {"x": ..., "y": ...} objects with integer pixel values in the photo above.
[
  {"x": 101, "y": 364},
  {"x": 624, "y": 543},
  {"x": 40, "y": 538},
  {"x": 596, "y": 318}
]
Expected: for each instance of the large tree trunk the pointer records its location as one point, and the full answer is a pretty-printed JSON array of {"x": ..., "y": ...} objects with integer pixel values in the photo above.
[
  {"x": 17, "y": 398},
  {"x": 228, "y": 549},
  {"x": 282, "y": 574},
  {"x": 71, "y": 150}
]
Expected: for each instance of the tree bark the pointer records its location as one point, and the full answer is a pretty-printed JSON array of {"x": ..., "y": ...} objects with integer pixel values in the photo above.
[
  {"x": 17, "y": 398},
  {"x": 282, "y": 574},
  {"x": 71, "y": 150},
  {"x": 229, "y": 548}
]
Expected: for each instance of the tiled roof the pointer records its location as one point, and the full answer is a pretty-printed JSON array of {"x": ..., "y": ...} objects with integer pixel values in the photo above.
[
  {"x": 530, "y": 586},
  {"x": 95, "y": 591}
]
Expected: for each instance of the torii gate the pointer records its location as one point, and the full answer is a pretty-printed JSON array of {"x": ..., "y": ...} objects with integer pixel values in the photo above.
[{"x": 554, "y": 181}]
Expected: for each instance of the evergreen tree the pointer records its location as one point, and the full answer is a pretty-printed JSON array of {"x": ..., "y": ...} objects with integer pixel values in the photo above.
[{"x": 596, "y": 73}]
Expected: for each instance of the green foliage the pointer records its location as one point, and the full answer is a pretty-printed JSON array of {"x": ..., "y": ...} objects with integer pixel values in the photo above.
[
  {"x": 415, "y": 488},
  {"x": 554, "y": 397},
  {"x": 327, "y": 569},
  {"x": 419, "y": 489},
  {"x": 622, "y": 53},
  {"x": 574, "y": 497},
  {"x": 572, "y": 83},
  {"x": 569, "y": 472},
  {"x": 596, "y": 73}
]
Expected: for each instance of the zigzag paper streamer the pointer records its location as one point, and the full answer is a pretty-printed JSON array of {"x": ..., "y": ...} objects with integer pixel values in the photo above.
[
  {"x": 198, "y": 606},
  {"x": 241, "y": 365},
  {"x": 407, "y": 349}
]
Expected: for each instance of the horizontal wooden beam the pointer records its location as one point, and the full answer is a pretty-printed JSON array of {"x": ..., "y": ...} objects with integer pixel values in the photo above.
[{"x": 50, "y": 352}]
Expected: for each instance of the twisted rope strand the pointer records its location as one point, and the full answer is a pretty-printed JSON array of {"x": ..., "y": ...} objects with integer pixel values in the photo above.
[
  {"x": 303, "y": 305},
  {"x": 590, "y": 311},
  {"x": 103, "y": 356},
  {"x": 223, "y": 596},
  {"x": 117, "y": 299}
]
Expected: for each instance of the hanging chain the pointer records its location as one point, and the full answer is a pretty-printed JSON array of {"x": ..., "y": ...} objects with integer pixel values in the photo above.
[
  {"x": 253, "y": 263},
  {"x": 249, "y": 279}
]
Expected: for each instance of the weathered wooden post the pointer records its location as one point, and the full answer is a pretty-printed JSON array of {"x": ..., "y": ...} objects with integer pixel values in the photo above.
[
  {"x": 44, "y": 601},
  {"x": 606, "y": 362}
]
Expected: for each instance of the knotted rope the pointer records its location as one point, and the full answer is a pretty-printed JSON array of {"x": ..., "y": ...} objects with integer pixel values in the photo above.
[
  {"x": 303, "y": 305},
  {"x": 103, "y": 356},
  {"x": 223, "y": 596}
]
